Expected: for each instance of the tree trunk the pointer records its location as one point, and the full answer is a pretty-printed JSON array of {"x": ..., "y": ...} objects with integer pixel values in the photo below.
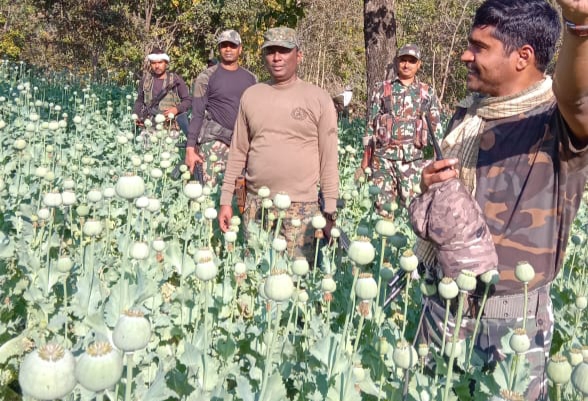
[{"x": 379, "y": 29}]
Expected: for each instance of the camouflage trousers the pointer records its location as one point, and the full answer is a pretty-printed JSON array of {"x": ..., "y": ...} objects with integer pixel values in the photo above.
[
  {"x": 215, "y": 155},
  {"x": 499, "y": 319},
  {"x": 396, "y": 180},
  {"x": 300, "y": 240}
]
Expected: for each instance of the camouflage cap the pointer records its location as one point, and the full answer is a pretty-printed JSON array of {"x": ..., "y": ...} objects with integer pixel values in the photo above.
[
  {"x": 231, "y": 36},
  {"x": 282, "y": 37},
  {"x": 409, "y": 50},
  {"x": 448, "y": 216}
]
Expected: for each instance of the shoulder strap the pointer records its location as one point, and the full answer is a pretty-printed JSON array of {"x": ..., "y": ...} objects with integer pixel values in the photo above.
[{"x": 387, "y": 96}]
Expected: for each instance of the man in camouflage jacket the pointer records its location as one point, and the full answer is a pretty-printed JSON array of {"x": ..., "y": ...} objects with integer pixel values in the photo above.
[
  {"x": 519, "y": 144},
  {"x": 177, "y": 100},
  {"x": 397, "y": 132}
]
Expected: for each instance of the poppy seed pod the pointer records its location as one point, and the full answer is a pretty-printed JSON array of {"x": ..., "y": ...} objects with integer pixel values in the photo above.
[
  {"x": 139, "y": 250},
  {"x": 466, "y": 280},
  {"x": 559, "y": 370},
  {"x": 263, "y": 192},
  {"x": 279, "y": 244},
  {"x": 385, "y": 227},
  {"x": 240, "y": 268},
  {"x": 279, "y": 286},
  {"x": 132, "y": 331},
  {"x": 129, "y": 186},
  {"x": 158, "y": 244},
  {"x": 100, "y": 367},
  {"x": 94, "y": 195},
  {"x": 318, "y": 222},
  {"x": 193, "y": 190},
  {"x": 404, "y": 355},
  {"x": 524, "y": 272},
  {"x": 64, "y": 264},
  {"x": 409, "y": 261},
  {"x": 490, "y": 277},
  {"x": 300, "y": 266},
  {"x": 519, "y": 341},
  {"x": 328, "y": 284},
  {"x": 282, "y": 201},
  {"x": 206, "y": 271},
  {"x": 361, "y": 251},
  {"x": 580, "y": 378},
  {"x": 47, "y": 373},
  {"x": 448, "y": 288},
  {"x": 366, "y": 287},
  {"x": 92, "y": 228},
  {"x": 52, "y": 199}
]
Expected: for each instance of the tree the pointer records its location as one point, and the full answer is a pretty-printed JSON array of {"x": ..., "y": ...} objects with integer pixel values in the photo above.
[{"x": 379, "y": 26}]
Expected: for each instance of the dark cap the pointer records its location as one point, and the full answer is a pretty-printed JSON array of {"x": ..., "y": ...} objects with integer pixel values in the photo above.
[
  {"x": 447, "y": 216},
  {"x": 409, "y": 50},
  {"x": 282, "y": 37}
]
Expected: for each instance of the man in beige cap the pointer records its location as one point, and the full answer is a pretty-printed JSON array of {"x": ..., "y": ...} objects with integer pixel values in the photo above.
[
  {"x": 216, "y": 93},
  {"x": 286, "y": 139}
]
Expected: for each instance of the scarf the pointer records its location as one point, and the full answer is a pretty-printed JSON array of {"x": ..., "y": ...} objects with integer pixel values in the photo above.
[{"x": 463, "y": 141}]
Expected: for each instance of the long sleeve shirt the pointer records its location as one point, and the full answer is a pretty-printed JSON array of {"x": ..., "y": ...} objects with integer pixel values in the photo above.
[
  {"x": 217, "y": 91},
  {"x": 396, "y": 124},
  {"x": 286, "y": 137},
  {"x": 155, "y": 85}
]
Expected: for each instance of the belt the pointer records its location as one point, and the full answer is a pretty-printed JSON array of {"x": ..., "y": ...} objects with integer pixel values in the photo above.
[{"x": 510, "y": 306}]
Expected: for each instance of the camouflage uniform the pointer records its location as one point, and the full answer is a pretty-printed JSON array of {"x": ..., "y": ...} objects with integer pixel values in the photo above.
[
  {"x": 300, "y": 239},
  {"x": 399, "y": 134},
  {"x": 529, "y": 183},
  {"x": 178, "y": 97},
  {"x": 216, "y": 93},
  {"x": 501, "y": 314},
  {"x": 213, "y": 170}
]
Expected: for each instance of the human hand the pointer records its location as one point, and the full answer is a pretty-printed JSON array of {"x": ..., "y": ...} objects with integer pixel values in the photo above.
[
  {"x": 224, "y": 217},
  {"x": 359, "y": 172},
  {"x": 192, "y": 157},
  {"x": 438, "y": 171},
  {"x": 575, "y": 11},
  {"x": 171, "y": 110},
  {"x": 327, "y": 230}
]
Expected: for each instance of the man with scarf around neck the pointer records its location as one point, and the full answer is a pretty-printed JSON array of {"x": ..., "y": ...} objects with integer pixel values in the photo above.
[
  {"x": 520, "y": 145},
  {"x": 286, "y": 139},
  {"x": 177, "y": 101}
]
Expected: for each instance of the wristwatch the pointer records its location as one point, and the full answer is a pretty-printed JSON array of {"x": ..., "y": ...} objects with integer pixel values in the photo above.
[
  {"x": 577, "y": 30},
  {"x": 330, "y": 216}
]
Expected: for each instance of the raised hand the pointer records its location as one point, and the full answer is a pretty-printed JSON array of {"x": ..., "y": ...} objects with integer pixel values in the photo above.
[{"x": 575, "y": 11}]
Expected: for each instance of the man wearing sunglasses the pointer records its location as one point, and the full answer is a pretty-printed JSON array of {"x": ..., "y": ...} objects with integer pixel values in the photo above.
[
  {"x": 396, "y": 132},
  {"x": 216, "y": 93}
]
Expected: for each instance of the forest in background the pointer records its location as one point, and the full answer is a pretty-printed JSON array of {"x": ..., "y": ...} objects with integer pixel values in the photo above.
[{"x": 108, "y": 39}]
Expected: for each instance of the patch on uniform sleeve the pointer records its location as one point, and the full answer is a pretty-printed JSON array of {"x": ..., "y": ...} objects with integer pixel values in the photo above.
[{"x": 299, "y": 114}]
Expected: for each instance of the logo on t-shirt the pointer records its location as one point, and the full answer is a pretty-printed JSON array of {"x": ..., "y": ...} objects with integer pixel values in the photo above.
[{"x": 299, "y": 114}]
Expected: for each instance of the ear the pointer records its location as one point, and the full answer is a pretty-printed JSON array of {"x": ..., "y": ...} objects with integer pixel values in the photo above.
[
  {"x": 299, "y": 57},
  {"x": 525, "y": 57}
]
